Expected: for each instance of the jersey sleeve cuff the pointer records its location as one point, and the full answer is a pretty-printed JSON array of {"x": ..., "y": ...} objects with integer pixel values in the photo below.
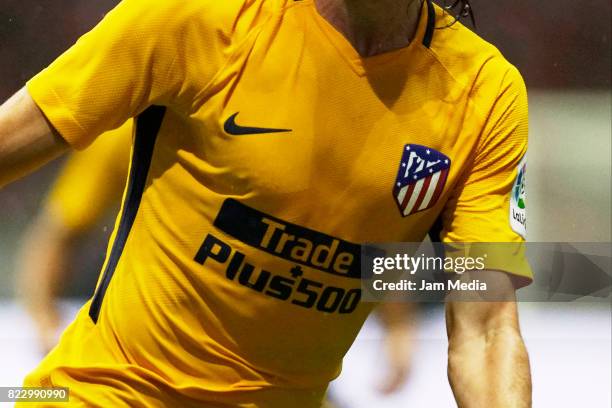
[
  {"x": 57, "y": 113},
  {"x": 507, "y": 257}
]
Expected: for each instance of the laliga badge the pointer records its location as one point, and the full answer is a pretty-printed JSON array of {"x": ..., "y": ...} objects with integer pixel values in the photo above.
[{"x": 518, "y": 213}]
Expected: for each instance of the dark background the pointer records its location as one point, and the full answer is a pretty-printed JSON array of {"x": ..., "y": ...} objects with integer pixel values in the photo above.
[{"x": 553, "y": 43}]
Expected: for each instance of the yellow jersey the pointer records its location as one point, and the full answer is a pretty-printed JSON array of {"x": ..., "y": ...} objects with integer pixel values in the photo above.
[
  {"x": 91, "y": 181},
  {"x": 265, "y": 151}
]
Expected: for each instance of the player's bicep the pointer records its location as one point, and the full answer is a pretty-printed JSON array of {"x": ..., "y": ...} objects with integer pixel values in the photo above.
[{"x": 27, "y": 139}]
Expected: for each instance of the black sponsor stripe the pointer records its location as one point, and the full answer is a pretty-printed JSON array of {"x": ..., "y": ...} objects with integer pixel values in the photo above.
[{"x": 148, "y": 124}]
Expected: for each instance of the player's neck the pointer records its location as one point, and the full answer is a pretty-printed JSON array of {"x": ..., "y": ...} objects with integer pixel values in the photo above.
[{"x": 373, "y": 26}]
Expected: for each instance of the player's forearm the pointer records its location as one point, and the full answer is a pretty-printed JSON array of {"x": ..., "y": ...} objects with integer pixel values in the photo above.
[
  {"x": 40, "y": 277},
  {"x": 27, "y": 140},
  {"x": 397, "y": 315},
  {"x": 399, "y": 321},
  {"x": 490, "y": 369}
]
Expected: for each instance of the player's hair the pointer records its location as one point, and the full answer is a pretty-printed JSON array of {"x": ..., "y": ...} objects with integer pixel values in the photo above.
[{"x": 459, "y": 9}]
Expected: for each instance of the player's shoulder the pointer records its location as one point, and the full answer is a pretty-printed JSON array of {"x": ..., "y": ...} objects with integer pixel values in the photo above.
[
  {"x": 470, "y": 60},
  {"x": 228, "y": 18}
]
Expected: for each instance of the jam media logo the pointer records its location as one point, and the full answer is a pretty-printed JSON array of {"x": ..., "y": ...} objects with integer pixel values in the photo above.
[
  {"x": 421, "y": 178},
  {"x": 518, "y": 213}
]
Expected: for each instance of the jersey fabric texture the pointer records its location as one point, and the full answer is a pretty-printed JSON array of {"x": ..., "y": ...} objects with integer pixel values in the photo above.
[
  {"x": 91, "y": 181},
  {"x": 266, "y": 149}
]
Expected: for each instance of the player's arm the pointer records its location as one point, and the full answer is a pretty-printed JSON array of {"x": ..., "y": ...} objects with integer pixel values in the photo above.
[
  {"x": 27, "y": 139},
  {"x": 399, "y": 323},
  {"x": 42, "y": 271},
  {"x": 488, "y": 365},
  {"x": 128, "y": 62}
]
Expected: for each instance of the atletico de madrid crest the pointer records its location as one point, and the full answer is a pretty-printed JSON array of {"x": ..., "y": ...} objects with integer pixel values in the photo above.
[{"x": 420, "y": 179}]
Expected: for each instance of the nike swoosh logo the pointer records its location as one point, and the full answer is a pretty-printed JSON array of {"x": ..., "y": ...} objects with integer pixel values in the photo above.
[{"x": 231, "y": 127}]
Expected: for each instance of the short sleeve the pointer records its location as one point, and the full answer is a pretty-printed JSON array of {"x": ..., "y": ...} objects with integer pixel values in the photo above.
[
  {"x": 481, "y": 206},
  {"x": 91, "y": 182},
  {"x": 114, "y": 72}
]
